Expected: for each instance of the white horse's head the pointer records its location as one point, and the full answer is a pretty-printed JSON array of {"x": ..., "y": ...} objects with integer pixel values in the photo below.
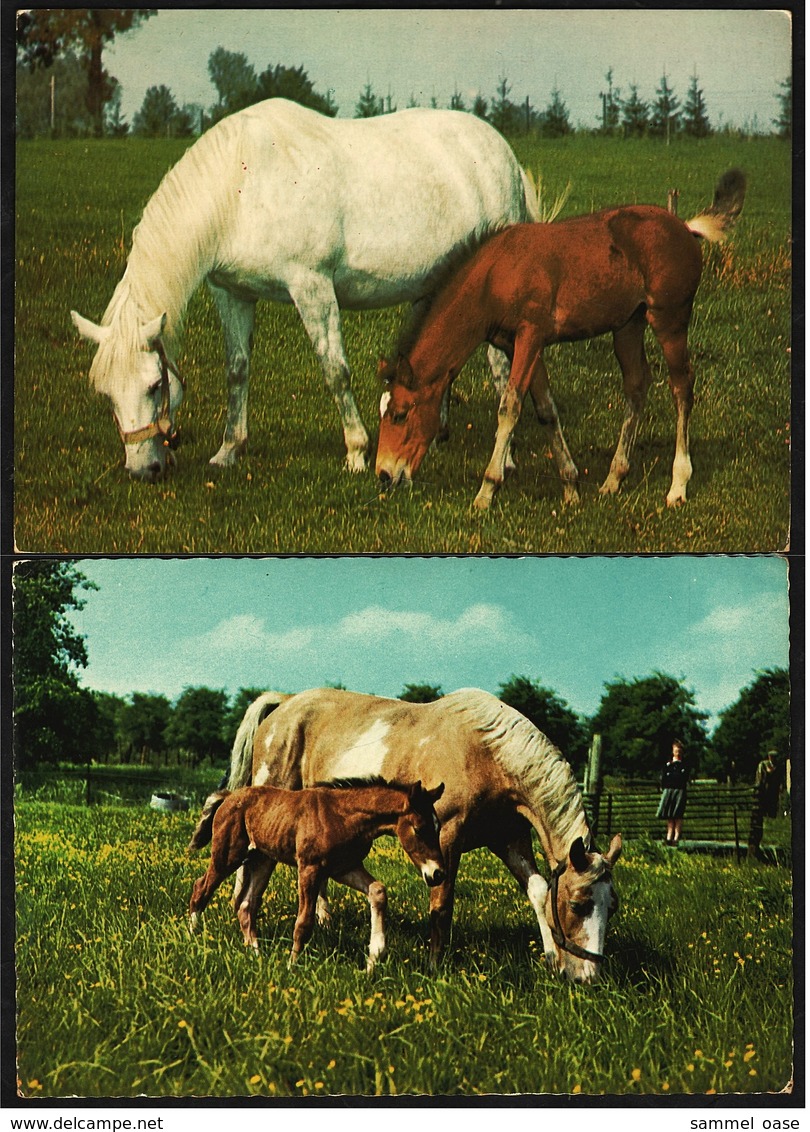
[{"x": 145, "y": 389}]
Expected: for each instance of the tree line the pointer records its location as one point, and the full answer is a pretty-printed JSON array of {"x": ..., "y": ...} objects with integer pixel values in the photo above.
[
  {"x": 63, "y": 89},
  {"x": 57, "y": 720}
]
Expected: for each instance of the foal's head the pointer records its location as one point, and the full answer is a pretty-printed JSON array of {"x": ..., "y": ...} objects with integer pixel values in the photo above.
[
  {"x": 410, "y": 419},
  {"x": 580, "y": 900},
  {"x": 418, "y": 832}
]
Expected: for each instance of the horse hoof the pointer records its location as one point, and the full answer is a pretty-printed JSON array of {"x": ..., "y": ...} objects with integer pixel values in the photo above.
[
  {"x": 226, "y": 457},
  {"x": 677, "y": 500},
  {"x": 356, "y": 461},
  {"x": 483, "y": 500},
  {"x": 609, "y": 487}
]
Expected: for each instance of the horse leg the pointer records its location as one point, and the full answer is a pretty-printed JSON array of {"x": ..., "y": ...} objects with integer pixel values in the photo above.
[
  {"x": 238, "y": 316},
  {"x": 309, "y": 881},
  {"x": 257, "y": 871},
  {"x": 442, "y": 898},
  {"x": 362, "y": 880},
  {"x": 527, "y": 351},
  {"x": 546, "y": 411},
  {"x": 322, "y": 911},
  {"x": 225, "y": 859},
  {"x": 628, "y": 346},
  {"x": 500, "y": 365},
  {"x": 671, "y": 331},
  {"x": 315, "y": 299},
  {"x": 518, "y": 856}
]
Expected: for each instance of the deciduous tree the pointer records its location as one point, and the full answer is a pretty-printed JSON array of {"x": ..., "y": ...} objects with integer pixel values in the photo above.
[
  {"x": 197, "y": 724},
  {"x": 45, "y": 34},
  {"x": 639, "y": 718},
  {"x": 235, "y": 81},
  {"x": 53, "y": 715},
  {"x": 421, "y": 693},
  {"x": 758, "y": 721}
]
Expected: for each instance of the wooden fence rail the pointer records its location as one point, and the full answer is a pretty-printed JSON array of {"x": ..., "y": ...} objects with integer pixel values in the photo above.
[{"x": 715, "y": 812}]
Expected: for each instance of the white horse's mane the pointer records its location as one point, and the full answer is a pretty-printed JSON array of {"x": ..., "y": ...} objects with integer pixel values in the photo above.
[
  {"x": 173, "y": 248},
  {"x": 530, "y": 758}
]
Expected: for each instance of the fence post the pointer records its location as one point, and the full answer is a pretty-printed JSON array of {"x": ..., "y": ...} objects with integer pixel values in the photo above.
[
  {"x": 592, "y": 786},
  {"x": 736, "y": 837},
  {"x": 755, "y": 829}
]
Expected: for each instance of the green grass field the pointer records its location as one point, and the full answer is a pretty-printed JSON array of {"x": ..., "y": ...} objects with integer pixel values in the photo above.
[
  {"x": 76, "y": 206},
  {"x": 115, "y": 999}
]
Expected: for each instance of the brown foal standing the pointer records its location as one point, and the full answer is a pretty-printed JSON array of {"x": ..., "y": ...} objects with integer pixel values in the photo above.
[
  {"x": 326, "y": 831},
  {"x": 531, "y": 285}
]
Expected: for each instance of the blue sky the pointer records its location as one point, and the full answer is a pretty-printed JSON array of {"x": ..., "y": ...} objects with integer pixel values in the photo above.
[
  {"x": 740, "y": 57},
  {"x": 375, "y": 624}
]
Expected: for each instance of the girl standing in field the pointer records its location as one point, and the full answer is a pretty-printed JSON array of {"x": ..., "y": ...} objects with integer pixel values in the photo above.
[{"x": 673, "y": 793}]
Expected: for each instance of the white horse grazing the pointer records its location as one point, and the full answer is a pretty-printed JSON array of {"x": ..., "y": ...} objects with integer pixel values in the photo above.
[{"x": 279, "y": 202}]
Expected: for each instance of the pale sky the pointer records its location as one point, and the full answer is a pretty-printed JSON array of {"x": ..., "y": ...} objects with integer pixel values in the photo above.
[
  {"x": 376, "y": 624},
  {"x": 739, "y": 56}
]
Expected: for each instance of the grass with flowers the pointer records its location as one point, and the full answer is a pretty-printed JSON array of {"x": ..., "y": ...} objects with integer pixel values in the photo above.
[
  {"x": 77, "y": 203},
  {"x": 115, "y": 999}
]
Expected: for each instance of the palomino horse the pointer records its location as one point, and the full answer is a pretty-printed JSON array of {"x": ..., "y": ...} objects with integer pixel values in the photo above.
[
  {"x": 535, "y": 284},
  {"x": 279, "y": 202},
  {"x": 502, "y": 778},
  {"x": 325, "y": 831}
]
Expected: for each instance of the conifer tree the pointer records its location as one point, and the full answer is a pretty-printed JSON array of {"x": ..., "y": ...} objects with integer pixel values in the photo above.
[
  {"x": 665, "y": 114},
  {"x": 695, "y": 120}
]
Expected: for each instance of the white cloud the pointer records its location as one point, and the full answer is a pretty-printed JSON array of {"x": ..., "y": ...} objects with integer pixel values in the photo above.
[{"x": 398, "y": 632}]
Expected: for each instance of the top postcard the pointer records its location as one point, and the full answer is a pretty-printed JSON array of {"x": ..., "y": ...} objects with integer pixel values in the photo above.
[{"x": 403, "y": 281}]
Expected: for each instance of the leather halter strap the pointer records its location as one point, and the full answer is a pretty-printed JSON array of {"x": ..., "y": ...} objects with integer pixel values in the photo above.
[
  {"x": 557, "y": 933},
  {"x": 162, "y": 426}
]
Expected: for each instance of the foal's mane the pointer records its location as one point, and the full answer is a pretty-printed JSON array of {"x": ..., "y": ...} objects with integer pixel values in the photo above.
[
  {"x": 360, "y": 783},
  {"x": 528, "y": 756},
  {"x": 436, "y": 280}
]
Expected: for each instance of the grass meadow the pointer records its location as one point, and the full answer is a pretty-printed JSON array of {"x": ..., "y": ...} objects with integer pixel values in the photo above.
[
  {"x": 116, "y": 1000},
  {"x": 77, "y": 203}
]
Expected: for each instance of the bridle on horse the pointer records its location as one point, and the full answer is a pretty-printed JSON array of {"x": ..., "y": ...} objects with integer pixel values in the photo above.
[
  {"x": 162, "y": 426},
  {"x": 557, "y": 933}
]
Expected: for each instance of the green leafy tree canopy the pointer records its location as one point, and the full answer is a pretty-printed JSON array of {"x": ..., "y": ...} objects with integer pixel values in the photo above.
[
  {"x": 639, "y": 718},
  {"x": 758, "y": 721},
  {"x": 421, "y": 693},
  {"x": 53, "y": 715},
  {"x": 45, "y": 34}
]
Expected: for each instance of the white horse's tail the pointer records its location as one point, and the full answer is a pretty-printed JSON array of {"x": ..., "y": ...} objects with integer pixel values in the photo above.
[
  {"x": 242, "y": 750},
  {"x": 530, "y": 192},
  {"x": 715, "y": 222},
  {"x": 539, "y": 204}
]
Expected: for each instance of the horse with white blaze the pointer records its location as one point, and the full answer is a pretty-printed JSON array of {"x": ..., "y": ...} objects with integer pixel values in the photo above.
[
  {"x": 502, "y": 779},
  {"x": 279, "y": 202}
]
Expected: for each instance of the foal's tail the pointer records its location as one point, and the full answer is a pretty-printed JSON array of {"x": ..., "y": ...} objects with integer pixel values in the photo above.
[
  {"x": 715, "y": 222},
  {"x": 242, "y": 751},
  {"x": 204, "y": 831}
]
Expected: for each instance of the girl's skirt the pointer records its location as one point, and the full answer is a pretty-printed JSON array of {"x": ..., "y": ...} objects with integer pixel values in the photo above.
[{"x": 672, "y": 804}]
